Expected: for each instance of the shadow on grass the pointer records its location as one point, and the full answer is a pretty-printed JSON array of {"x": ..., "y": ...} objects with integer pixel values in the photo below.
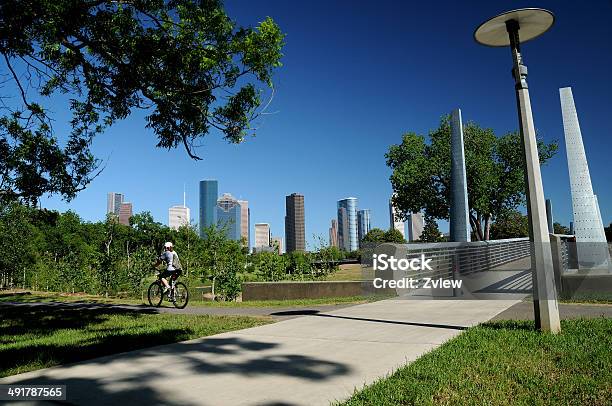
[
  {"x": 43, "y": 319},
  {"x": 526, "y": 325}
]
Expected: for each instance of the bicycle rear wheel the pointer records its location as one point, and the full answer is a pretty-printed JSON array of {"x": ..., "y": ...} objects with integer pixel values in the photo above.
[
  {"x": 181, "y": 295},
  {"x": 155, "y": 294}
]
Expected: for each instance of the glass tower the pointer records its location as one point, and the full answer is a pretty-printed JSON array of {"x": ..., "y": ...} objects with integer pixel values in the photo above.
[
  {"x": 348, "y": 238},
  {"x": 363, "y": 223},
  {"x": 209, "y": 192},
  {"x": 229, "y": 216}
]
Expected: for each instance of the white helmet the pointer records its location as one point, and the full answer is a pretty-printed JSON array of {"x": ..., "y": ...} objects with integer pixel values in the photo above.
[{"x": 168, "y": 245}]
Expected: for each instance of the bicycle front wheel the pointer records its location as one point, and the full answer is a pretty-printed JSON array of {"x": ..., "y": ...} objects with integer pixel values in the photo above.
[
  {"x": 181, "y": 295},
  {"x": 155, "y": 294}
]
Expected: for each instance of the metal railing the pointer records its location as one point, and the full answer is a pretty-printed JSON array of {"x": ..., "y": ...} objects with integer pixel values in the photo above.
[{"x": 449, "y": 259}]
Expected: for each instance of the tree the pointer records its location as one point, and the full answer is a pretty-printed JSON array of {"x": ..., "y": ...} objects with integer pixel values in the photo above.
[
  {"x": 378, "y": 236},
  {"x": 560, "y": 229},
  {"x": 511, "y": 224},
  {"x": 393, "y": 235},
  {"x": 223, "y": 259},
  {"x": 431, "y": 232},
  {"x": 494, "y": 168},
  {"x": 375, "y": 235},
  {"x": 184, "y": 62}
]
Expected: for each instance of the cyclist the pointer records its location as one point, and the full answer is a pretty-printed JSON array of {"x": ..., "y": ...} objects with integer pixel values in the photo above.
[{"x": 173, "y": 267}]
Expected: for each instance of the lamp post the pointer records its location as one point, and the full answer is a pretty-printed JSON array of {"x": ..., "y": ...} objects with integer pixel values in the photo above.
[{"x": 511, "y": 29}]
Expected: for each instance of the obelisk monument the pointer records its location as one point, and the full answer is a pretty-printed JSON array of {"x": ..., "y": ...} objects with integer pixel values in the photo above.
[
  {"x": 459, "y": 210},
  {"x": 588, "y": 227}
]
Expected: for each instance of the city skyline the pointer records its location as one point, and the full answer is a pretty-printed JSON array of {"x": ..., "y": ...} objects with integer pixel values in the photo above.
[{"x": 315, "y": 115}]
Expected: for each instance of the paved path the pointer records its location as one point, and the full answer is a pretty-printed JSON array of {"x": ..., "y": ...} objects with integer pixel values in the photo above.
[{"x": 310, "y": 360}]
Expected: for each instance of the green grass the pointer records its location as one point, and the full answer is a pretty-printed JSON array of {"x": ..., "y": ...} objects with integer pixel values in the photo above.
[
  {"x": 350, "y": 272},
  {"x": 506, "y": 363},
  {"x": 31, "y": 297},
  {"x": 33, "y": 338}
]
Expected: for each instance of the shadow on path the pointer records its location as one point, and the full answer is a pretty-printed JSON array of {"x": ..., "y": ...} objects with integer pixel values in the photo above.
[
  {"x": 405, "y": 323},
  {"x": 116, "y": 379}
]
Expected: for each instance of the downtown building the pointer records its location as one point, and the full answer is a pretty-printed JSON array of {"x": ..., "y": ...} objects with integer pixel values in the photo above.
[
  {"x": 179, "y": 216},
  {"x": 229, "y": 216},
  {"x": 333, "y": 234},
  {"x": 245, "y": 222},
  {"x": 113, "y": 203},
  {"x": 125, "y": 213},
  {"x": 416, "y": 223},
  {"x": 395, "y": 222},
  {"x": 262, "y": 235},
  {"x": 348, "y": 238},
  {"x": 363, "y": 223},
  {"x": 295, "y": 231},
  {"x": 208, "y": 194},
  {"x": 277, "y": 244}
]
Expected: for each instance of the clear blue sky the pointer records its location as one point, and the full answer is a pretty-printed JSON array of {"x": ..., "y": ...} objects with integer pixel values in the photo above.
[{"x": 356, "y": 76}]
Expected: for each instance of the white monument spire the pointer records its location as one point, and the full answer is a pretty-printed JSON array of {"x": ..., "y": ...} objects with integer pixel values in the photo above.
[{"x": 589, "y": 230}]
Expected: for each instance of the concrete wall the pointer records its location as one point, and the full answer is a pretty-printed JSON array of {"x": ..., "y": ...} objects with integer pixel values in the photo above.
[{"x": 309, "y": 290}]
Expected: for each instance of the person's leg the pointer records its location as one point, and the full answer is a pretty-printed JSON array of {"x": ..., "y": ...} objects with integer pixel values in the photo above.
[{"x": 164, "y": 275}]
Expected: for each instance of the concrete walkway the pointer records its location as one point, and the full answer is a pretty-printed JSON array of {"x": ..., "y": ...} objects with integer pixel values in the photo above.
[{"x": 310, "y": 360}]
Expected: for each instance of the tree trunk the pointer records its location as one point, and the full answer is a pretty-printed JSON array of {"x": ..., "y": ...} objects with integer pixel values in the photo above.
[
  {"x": 476, "y": 226},
  {"x": 487, "y": 227}
]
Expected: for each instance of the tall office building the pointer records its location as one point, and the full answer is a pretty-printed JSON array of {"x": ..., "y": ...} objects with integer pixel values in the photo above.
[
  {"x": 113, "y": 203},
  {"x": 178, "y": 216},
  {"x": 416, "y": 223},
  {"x": 229, "y": 216},
  {"x": 590, "y": 236},
  {"x": 333, "y": 233},
  {"x": 262, "y": 235},
  {"x": 125, "y": 212},
  {"x": 394, "y": 221},
  {"x": 245, "y": 222},
  {"x": 277, "y": 244},
  {"x": 348, "y": 238},
  {"x": 209, "y": 192},
  {"x": 363, "y": 223},
  {"x": 295, "y": 233}
]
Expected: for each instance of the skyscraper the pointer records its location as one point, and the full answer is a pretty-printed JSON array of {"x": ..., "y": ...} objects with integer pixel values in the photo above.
[
  {"x": 394, "y": 221},
  {"x": 229, "y": 216},
  {"x": 295, "y": 233},
  {"x": 209, "y": 192},
  {"x": 333, "y": 233},
  {"x": 178, "y": 216},
  {"x": 363, "y": 223},
  {"x": 125, "y": 212},
  {"x": 416, "y": 223},
  {"x": 113, "y": 203},
  {"x": 347, "y": 224},
  {"x": 589, "y": 230},
  {"x": 245, "y": 221},
  {"x": 262, "y": 235}
]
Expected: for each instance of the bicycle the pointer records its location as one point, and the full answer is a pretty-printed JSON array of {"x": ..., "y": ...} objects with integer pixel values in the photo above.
[{"x": 178, "y": 291}]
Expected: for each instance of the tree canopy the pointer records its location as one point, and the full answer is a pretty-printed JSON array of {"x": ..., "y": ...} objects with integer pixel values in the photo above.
[
  {"x": 184, "y": 62},
  {"x": 511, "y": 224},
  {"x": 494, "y": 167},
  {"x": 376, "y": 235}
]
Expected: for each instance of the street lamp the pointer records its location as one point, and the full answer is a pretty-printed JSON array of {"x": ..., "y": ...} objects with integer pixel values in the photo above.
[{"x": 510, "y": 29}]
